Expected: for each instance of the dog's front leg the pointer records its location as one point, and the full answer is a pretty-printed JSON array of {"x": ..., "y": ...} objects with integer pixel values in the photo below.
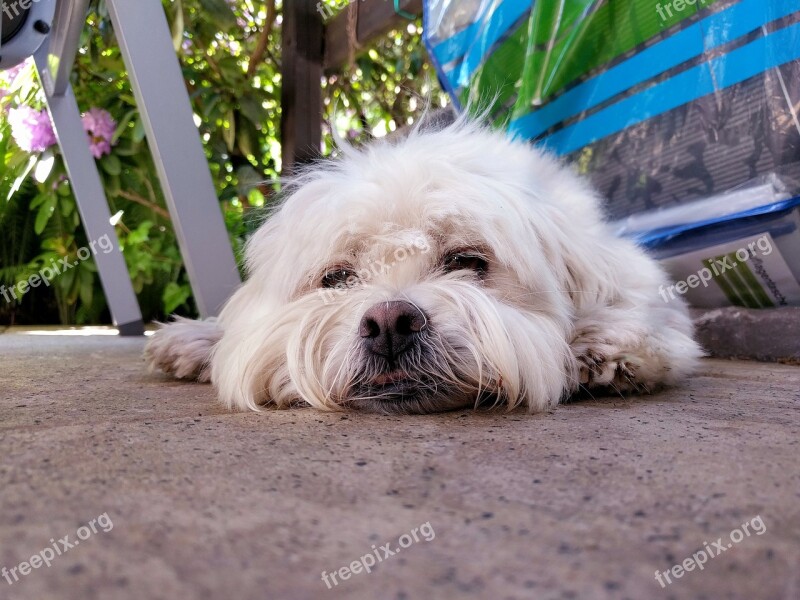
[
  {"x": 632, "y": 348},
  {"x": 183, "y": 347}
]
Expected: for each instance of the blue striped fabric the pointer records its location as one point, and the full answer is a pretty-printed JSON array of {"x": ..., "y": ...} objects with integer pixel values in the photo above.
[
  {"x": 472, "y": 45},
  {"x": 716, "y": 30},
  {"x": 756, "y": 57}
]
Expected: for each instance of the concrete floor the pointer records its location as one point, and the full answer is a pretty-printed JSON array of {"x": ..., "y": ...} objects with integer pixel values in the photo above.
[{"x": 586, "y": 502}]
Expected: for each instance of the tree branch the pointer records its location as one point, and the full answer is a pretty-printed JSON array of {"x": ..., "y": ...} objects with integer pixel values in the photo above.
[
  {"x": 263, "y": 39},
  {"x": 144, "y": 202}
]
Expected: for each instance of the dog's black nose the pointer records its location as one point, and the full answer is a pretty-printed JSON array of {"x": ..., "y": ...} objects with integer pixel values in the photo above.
[{"x": 390, "y": 328}]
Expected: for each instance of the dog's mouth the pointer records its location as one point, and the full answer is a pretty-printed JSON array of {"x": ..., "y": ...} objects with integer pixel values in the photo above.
[
  {"x": 392, "y": 386},
  {"x": 391, "y": 391},
  {"x": 401, "y": 391},
  {"x": 418, "y": 382},
  {"x": 397, "y": 376}
]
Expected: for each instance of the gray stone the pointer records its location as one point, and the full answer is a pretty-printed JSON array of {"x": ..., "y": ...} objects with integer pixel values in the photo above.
[{"x": 767, "y": 334}]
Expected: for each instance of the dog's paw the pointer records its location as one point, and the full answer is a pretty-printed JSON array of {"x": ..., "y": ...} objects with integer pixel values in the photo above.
[
  {"x": 607, "y": 368},
  {"x": 183, "y": 348}
]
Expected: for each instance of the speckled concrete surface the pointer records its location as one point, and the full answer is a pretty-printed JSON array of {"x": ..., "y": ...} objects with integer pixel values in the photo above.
[{"x": 586, "y": 502}]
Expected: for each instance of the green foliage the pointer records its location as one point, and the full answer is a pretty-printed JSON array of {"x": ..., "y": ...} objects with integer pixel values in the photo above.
[
  {"x": 230, "y": 55},
  {"x": 385, "y": 88}
]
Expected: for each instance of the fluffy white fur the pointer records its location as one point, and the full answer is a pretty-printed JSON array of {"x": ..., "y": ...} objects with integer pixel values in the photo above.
[{"x": 562, "y": 304}]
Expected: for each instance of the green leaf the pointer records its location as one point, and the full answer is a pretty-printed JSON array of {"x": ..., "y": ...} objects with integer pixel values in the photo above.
[
  {"x": 138, "y": 131},
  {"x": 38, "y": 200},
  {"x": 247, "y": 139},
  {"x": 67, "y": 280},
  {"x": 255, "y": 198},
  {"x": 219, "y": 13},
  {"x": 113, "y": 185},
  {"x": 111, "y": 164},
  {"x": 253, "y": 108},
  {"x": 127, "y": 150},
  {"x": 174, "y": 296},
  {"x": 141, "y": 233},
  {"x": 229, "y": 132},
  {"x": 231, "y": 70},
  {"x": 63, "y": 189},
  {"x": 45, "y": 212},
  {"x": 67, "y": 206},
  {"x": 86, "y": 285},
  {"x": 123, "y": 125}
]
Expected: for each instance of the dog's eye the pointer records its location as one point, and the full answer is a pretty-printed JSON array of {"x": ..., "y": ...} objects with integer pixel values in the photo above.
[
  {"x": 465, "y": 261},
  {"x": 337, "y": 275}
]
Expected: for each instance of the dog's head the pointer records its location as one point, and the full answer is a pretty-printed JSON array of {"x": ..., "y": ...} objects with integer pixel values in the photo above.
[{"x": 413, "y": 276}]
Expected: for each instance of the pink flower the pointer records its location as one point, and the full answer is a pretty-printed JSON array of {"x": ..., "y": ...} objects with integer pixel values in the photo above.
[
  {"x": 31, "y": 129},
  {"x": 100, "y": 126}
]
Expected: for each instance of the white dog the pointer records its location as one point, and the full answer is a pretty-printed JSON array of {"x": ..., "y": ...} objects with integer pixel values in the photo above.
[{"x": 452, "y": 268}]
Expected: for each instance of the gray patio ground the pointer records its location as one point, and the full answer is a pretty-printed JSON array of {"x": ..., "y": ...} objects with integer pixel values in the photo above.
[{"x": 586, "y": 502}]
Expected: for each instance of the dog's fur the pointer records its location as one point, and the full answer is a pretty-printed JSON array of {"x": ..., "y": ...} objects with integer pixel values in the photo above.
[{"x": 548, "y": 301}]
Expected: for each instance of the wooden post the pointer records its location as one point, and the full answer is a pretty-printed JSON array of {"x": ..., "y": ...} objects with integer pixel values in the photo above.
[{"x": 301, "y": 91}]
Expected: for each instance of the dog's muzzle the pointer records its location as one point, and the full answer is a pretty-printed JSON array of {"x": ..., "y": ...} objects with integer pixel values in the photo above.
[
  {"x": 402, "y": 371},
  {"x": 391, "y": 334}
]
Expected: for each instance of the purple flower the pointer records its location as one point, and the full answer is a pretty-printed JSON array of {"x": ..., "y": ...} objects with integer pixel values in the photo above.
[
  {"x": 100, "y": 126},
  {"x": 31, "y": 129}
]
